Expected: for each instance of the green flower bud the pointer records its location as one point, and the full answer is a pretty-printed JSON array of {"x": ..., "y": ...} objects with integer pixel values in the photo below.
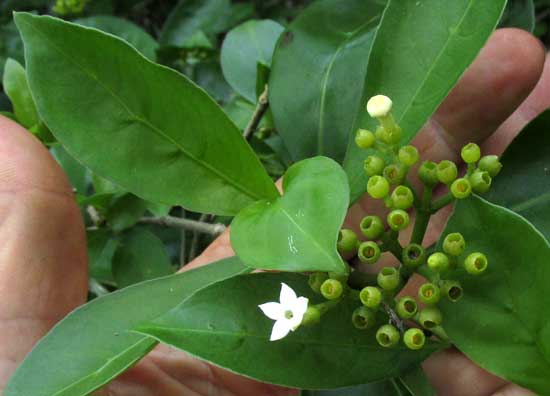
[
  {"x": 414, "y": 339},
  {"x": 374, "y": 165},
  {"x": 408, "y": 155},
  {"x": 398, "y": 220},
  {"x": 447, "y": 172},
  {"x": 429, "y": 293},
  {"x": 347, "y": 241},
  {"x": 470, "y": 153},
  {"x": 406, "y": 307},
  {"x": 364, "y": 139},
  {"x": 363, "y": 318},
  {"x": 311, "y": 317},
  {"x": 439, "y": 262},
  {"x": 461, "y": 188},
  {"x": 402, "y": 198},
  {"x": 388, "y": 336},
  {"x": 452, "y": 289},
  {"x": 491, "y": 164},
  {"x": 390, "y": 133},
  {"x": 428, "y": 173},
  {"x": 332, "y": 289},
  {"x": 476, "y": 263},
  {"x": 430, "y": 317},
  {"x": 414, "y": 256},
  {"x": 388, "y": 278},
  {"x": 454, "y": 244},
  {"x": 371, "y": 297},
  {"x": 371, "y": 227},
  {"x": 316, "y": 280},
  {"x": 480, "y": 181},
  {"x": 395, "y": 174},
  {"x": 369, "y": 252},
  {"x": 378, "y": 187}
]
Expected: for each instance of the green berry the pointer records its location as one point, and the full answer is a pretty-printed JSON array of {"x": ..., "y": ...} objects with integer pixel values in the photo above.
[
  {"x": 388, "y": 336},
  {"x": 439, "y": 262},
  {"x": 390, "y": 135},
  {"x": 398, "y": 220},
  {"x": 414, "y": 339},
  {"x": 476, "y": 263},
  {"x": 369, "y": 252},
  {"x": 414, "y": 256},
  {"x": 402, "y": 198},
  {"x": 470, "y": 153},
  {"x": 452, "y": 290},
  {"x": 378, "y": 187},
  {"x": 408, "y": 155},
  {"x": 461, "y": 188},
  {"x": 364, "y": 139},
  {"x": 429, "y": 293},
  {"x": 388, "y": 278},
  {"x": 406, "y": 307},
  {"x": 312, "y": 316},
  {"x": 316, "y": 280},
  {"x": 332, "y": 289},
  {"x": 428, "y": 174},
  {"x": 371, "y": 227},
  {"x": 363, "y": 318},
  {"x": 430, "y": 317},
  {"x": 374, "y": 165},
  {"x": 370, "y": 297},
  {"x": 347, "y": 241},
  {"x": 491, "y": 164},
  {"x": 454, "y": 244},
  {"x": 395, "y": 174},
  {"x": 447, "y": 172},
  {"x": 480, "y": 181}
]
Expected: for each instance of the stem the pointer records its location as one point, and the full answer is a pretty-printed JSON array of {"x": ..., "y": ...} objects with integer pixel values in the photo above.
[
  {"x": 359, "y": 280},
  {"x": 442, "y": 202},
  {"x": 192, "y": 225},
  {"x": 471, "y": 169},
  {"x": 196, "y": 236},
  {"x": 391, "y": 244},
  {"x": 183, "y": 235},
  {"x": 327, "y": 305},
  {"x": 440, "y": 333},
  {"x": 261, "y": 108},
  {"x": 423, "y": 215},
  {"x": 414, "y": 192},
  {"x": 97, "y": 288},
  {"x": 393, "y": 317}
]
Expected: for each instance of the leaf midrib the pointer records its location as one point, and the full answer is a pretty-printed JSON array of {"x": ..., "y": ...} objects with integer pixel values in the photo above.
[
  {"x": 143, "y": 121},
  {"x": 529, "y": 203}
]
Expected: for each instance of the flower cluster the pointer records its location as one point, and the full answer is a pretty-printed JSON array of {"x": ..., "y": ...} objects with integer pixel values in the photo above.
[{"x": 69, "y": 7}]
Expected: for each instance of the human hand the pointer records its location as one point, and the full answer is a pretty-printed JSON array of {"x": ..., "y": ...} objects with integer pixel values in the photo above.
[{"x": 43, "y": 251}]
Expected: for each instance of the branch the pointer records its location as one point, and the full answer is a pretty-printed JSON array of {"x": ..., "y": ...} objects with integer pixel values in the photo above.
[
  {"x": 261, "y": 108},
  {"x": 186, "y": 224}
]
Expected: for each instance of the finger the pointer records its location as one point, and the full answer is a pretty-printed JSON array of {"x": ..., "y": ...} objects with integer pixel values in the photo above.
[
  {"x": 513, "y": 390},
  {"x": 43, "y": 272}
]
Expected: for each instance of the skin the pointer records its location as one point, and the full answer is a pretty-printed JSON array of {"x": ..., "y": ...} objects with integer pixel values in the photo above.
[{"x": 43, "y": 264}]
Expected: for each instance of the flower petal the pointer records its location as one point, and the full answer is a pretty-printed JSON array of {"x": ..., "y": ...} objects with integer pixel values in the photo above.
[
  {"x": 288, "y": 296},
  {"x": 300, "y": 307},
  {"x": 280, "y": 330},
  {"x": 273, "y": 310}
]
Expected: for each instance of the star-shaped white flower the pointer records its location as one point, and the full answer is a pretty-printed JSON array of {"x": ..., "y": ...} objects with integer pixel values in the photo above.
[
  {"x": 287, "y": 313},
  {"x": 379, "y": 106}
]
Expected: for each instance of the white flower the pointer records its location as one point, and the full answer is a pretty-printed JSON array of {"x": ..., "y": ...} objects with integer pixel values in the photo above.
[
  {"x": 379, "y": 106},
  {"x": 287, "y": 313}
]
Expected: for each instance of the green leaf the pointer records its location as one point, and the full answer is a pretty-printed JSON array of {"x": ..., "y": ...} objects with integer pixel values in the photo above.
[
  {"x": 75, "y": 171},
  {"x": 124, "y": 29},
  {"x": 317, "y": 76},
  {"x": 125, "y": 211},
  {"x": 298, "y": 231},
  {"x": 17, "y": 88},
  {"x": 190, "y": 16},
  {"x": 102, "y": 246},
  {"x": 523, "y": 185},
  {"x": 146, "y": 127},
  {"x": 92, "y": 345},
  {"x": 243, "y": 48},
  {"x": 140, "y": 256},
  {"x": 420, "y": 51},
  {"x": 501, "y": 323},
  {"x": 416, "y": 382},
  {"x": 520, "y": 14},
  {"x": 391, "y": 387},
  {"x": 340, "y": 354}
]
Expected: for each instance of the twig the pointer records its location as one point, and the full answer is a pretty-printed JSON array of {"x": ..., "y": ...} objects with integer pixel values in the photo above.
[
  {"x": 261, "y": 108},
  {"x": 393, "y": 317},
  {"x": 191, "y": 225},
  {"x": 195, "y": 239},
  {"x": 97, "y": 288}
]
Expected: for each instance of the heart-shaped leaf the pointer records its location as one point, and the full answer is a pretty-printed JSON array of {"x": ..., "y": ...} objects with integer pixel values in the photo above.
[
  {"x": 298, "y": 231},
  {"x": 501, "y": 323},
  {"x": 331, "y": 354}
]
